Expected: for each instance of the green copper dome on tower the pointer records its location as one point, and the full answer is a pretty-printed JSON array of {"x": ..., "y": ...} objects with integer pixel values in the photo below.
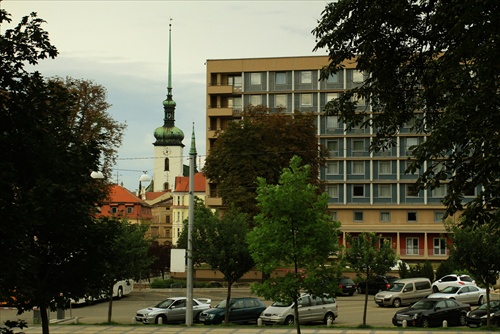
[{"x": 169, "y": 134}]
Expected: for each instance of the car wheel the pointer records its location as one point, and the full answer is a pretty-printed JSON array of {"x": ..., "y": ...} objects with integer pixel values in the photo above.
[
  {"x": 197, "y": 317},
  {"x": 329, "y": 316},
  {"x": 480, "y": 301},
  {"x": 163, "y": 319},
  {"x": 463, "y": 319},
  {"x": 396, "y": 302},
  {"x": 425, "y": 322},
  {"x": 351, "y": 293},
  {"x": 289, "y": 320},
  {"x": 435, "y": 289}
]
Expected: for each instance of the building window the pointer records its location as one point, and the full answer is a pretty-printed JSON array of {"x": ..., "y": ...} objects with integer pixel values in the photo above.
[
  {"x": 384, "y": 190},
  {"x": 470, "y": 191},
  {"x": 255, "y": 78},
  {"x": 114, "y": 209},
  {"x": 334, "y": 216},
  {"x": 358, "y": 167},
  {"x": 439, "y": 192},
  {"x": 333, "y": 78},
  {"x": 411, "y": 216},
  {"x": 358, "y": 145},
  {"x": 130, "y": 209},
  {"x": 333, "y": 147},
  {"x": 410, "y": 144},
  {"x": 384, "y": 240},
  {"x": 333, "y": 190},
  {"x": 438, "y": 216},
  {"x": 439, "y": 246},
  {"x": 280, "y": 101},
  {"x": 166, "y": 165},
  {"x": 385, "y": 216},
  {"x": 306, "y": 77},
  {"x": 165, "y": 186},
  {"x": 331, "y": 96},
  {"x": 332, "y": 168},
  {"x": 332, "y": 123},
  {"x": 234, "y": 81},
  {"x": 357, "y": 76},
  {"x": 411, "y": 246},
  {"x": 281, "y": 78},
  {"x": 306, "y": 99},
  {"x": 255, "y": 100},
  {"x": 385, "y": 167},
  {"x": 235, "y": 102},
  {"x": 358, "y": 190},
  {"x": 411, "y": 190},
  {"x": 358, "y": 216}
]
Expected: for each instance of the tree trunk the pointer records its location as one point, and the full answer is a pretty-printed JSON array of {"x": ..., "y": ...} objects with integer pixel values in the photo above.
[
  {"x": 366, "y": 303},
  {"x": 296, "y": 313},
  {"x": 45, "y": 319},
  {"x": 110, "y": 305},
  {"x": 228, "y": 299}
]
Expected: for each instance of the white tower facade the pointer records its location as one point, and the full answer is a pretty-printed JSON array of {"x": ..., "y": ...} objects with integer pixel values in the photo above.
[{"x": 168, "y": 147}]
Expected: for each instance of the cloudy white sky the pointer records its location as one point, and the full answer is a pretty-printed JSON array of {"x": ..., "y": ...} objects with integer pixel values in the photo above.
[{"x": 123, "y": 46}]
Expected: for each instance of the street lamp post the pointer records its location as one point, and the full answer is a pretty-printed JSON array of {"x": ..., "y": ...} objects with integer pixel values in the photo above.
[{"x": 189, "y": 283}]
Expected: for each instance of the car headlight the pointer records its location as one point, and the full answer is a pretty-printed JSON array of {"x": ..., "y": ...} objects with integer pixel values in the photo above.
[
  {"x": 388, "y": 297},
  {"x": 415, "y": 316},
  {"x": 210, "y": 316}
]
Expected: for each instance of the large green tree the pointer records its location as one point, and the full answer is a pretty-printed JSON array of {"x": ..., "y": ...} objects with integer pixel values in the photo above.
[
  {"x": 261, "y": 144},
  {"x": 369, "y": 258},
  {"x": 47, "y": 199},
  {"x": 478, "y": 251},
  {"x": 431, "y": 65},
  {"x": 293, "y": 230}
]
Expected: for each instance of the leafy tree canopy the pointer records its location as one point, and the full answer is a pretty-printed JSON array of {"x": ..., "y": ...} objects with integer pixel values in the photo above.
[
  {"x": 261, "y": 144},
  {"x": 293, "y": 231},
  {"x": 431, "y": 64}
]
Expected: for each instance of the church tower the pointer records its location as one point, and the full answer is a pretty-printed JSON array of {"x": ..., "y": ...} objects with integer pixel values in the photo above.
[{"x": 168, "y": 147}]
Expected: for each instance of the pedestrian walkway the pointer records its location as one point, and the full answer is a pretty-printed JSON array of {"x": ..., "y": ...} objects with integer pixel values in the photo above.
[{"x": 199, "y": 329}]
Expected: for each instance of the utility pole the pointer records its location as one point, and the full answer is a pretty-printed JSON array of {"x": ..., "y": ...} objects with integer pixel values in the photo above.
[{"x": 189, "y": 283}]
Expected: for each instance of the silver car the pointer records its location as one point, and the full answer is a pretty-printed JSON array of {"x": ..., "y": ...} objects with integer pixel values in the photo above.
[
  {"x": 468, "y": 294},
  {"x": 172, "y": 310}
]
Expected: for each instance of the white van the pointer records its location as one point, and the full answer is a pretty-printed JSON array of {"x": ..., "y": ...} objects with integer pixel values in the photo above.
[
  {"x": 311, "y": 309},
  {"x": 404, "y": 291}
]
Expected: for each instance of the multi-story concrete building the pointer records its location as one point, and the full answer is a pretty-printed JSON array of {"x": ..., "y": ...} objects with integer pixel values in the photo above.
[{"x": 368, "y": 191}]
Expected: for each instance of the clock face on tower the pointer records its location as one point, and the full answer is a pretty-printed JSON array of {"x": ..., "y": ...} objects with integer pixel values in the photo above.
[
  {"x": 169, "y": 115},
  {"x": 166, "y": 151}
]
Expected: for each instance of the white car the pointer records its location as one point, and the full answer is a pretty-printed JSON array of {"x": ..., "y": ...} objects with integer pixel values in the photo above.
[
  {"x": 311, "y": 309},
  {"x": 172, "y": 310},
  {"x": 452, "y": 280},
  {"x": 468, "y": 294}
]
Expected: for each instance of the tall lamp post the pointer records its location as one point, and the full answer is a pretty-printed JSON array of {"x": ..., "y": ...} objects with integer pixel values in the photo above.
[{"x": 189, "y": 283}]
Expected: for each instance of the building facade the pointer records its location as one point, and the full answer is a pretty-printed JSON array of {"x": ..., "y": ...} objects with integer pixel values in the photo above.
[
  {"x": 369, "y": 191},
  {"x": 124, "y": 204}
]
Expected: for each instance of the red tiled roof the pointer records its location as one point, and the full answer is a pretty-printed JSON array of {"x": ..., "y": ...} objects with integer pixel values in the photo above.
[
  {"x": 151, "y": 195},
  {"x": 119, "y": 194},
  {"x": 182, "y": 183}
]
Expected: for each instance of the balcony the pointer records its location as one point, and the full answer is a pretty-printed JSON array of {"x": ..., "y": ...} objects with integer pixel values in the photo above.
[
  {"x": 222, "y": 111},
  {"x": 223, "y": 89}
]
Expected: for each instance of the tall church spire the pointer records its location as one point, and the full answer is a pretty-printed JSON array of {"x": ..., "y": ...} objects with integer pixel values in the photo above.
[{"x": 169, "y": 134}]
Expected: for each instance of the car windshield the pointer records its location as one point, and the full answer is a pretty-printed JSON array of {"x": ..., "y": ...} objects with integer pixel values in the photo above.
[
  {"x": 166, "y": 303},
  {"x": 281, "y": 304},
  {"x": 494, "y": 306},
  {"x": 423, "y": 305},
  {"x": 222, "y": 304},
  {"x": 450, "y": 289},
  {"x": 346, "y": 281},
  {"x": 396, "y": 287}
]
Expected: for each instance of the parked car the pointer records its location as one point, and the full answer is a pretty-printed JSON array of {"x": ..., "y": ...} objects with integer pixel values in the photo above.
[
  {"x": 346, "y": 285},
  {"x": 468, "y": 294},
  {"x": 452, "y": 280},
  {"x": 431, "y": 312},
  {"x": 404, "y": 291},
  {"x": 311, "y": 309},
  {"x": 241, "y": 310},
  {"x": 172, "y": 310},
  {"x": 478, "y": 317},
  {"x": 379, "y": 283}
]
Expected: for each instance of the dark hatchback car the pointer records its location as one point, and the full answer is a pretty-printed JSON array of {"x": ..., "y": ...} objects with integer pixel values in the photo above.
[
  {"x": 432, "y": 312},
  {"x": 478, "y": 317},
  {"x": 379, "y": 283},
  {"x": 241, "y": 311},
  {"x": 346, "y": 286}
]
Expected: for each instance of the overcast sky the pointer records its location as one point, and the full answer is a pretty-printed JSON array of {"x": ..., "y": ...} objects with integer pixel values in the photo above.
[{"x": 123, "y": 46}]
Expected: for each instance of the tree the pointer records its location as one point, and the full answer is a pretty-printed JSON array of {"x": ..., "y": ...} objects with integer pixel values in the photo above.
[
  {"x": 270, "y": 141},
  {"x": 123, "y": 252},
  {"x": 369, "y": 258},
  {"x": 160, "y": 253},
  {"x": 293, "y": 230},
  {"x": 45, "y": 163},
  {"x": 478, "y": 251},
  {"x": 220, "y": 241},
  {"x": 432, "y": 63}
]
